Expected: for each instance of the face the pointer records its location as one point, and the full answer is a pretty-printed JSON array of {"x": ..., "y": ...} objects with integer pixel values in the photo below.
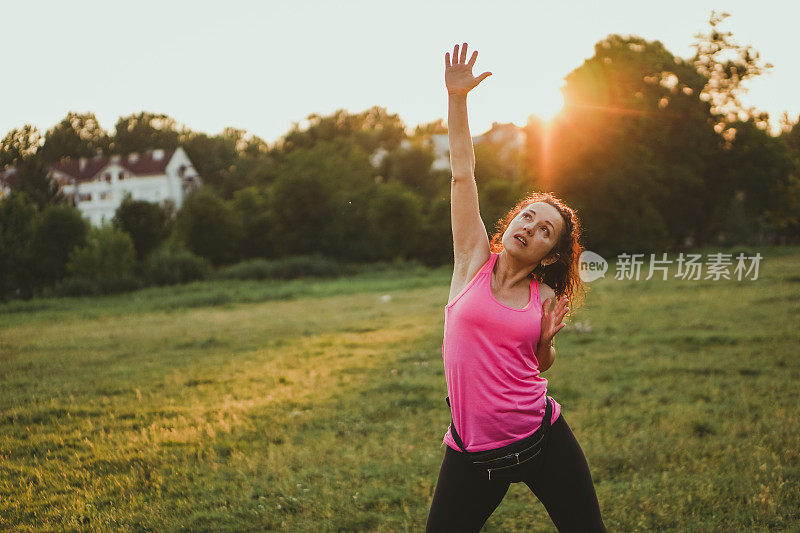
[{"x": 533, "y": 233}]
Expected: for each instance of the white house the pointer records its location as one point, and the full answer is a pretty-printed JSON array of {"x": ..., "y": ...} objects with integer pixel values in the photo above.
[
  {"x": 509, "y": 136},
  {"x": 98, "y": 184},
  {"x": 440, "y": 143},
  {"x": 506, "y": 134}
]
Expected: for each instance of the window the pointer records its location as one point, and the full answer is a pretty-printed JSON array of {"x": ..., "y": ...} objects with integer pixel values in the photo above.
[
  {"x": 107, "y": 177},
  {"x": 105, "y": 195},
  {"x": 85, "y": 197},
  {"x": 121, "y": 175}
]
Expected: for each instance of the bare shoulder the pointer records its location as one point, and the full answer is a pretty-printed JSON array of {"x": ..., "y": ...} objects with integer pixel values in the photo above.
[
  {"x": 465, "y": 267},
  {"x": 545, "y": 292}
]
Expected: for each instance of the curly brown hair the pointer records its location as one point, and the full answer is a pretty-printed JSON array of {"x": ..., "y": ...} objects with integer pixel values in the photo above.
[{"x": 563, "y": 275}]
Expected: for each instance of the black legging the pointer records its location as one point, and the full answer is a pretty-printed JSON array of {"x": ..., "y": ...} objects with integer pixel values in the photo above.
[{"x": 464, "y": 497}]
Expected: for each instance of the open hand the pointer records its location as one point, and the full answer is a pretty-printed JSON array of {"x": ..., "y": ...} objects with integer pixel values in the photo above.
[
  {"x": 552, "y": 315},
  {"x": 458, "y": 75}
]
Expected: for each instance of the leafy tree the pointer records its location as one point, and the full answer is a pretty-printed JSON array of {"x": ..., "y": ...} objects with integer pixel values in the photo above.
[
  {"x": 634, "y": 143},
  {"x": 17, "y": 223},
  {"x": 147, "y": 223},
  {"x": 77, "y": 135},
  {"x": 18, "y": 145},
  {"x": 319, "y": 200},
  {"x": 209, "y": 227},
  {"x": 496, "y": 197},
  {"x": 396, "y": 222},
  {"x": 726, "y": 65},
  {"x": 790, "y": 135},
  {"x": 258, "y": 239},
  {"x": 143, "y": 131},
  {"x": 214, "y": 157},
  {"x": 436, "y": 247},
  {"x": 35, "y": 181},
  {"x": 499, "y": 176},
  {"x": 790, "y": 225},
  {"x": 59, "y": 229},
  {"x": 254, "y": 172},
  {"x": 230, "y": 161},
  {"x": 435, "y": 127},
  {"x": 498, "y": 153},
  {"x": 256, "y": 166},
  {"x": 784, "y": 219},
  {"x": 253, "y": 147},
  {"x": 411, "y": 166},
  {"x": 371, "y": 129},
  {"x": 762, "y": 185}
]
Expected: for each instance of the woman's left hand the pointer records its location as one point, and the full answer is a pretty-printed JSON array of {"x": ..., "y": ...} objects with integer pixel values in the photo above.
[{"x": 552, "y": 315}]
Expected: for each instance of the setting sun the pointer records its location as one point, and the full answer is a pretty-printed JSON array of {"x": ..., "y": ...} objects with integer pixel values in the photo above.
[{"x": 547, "y": 104}]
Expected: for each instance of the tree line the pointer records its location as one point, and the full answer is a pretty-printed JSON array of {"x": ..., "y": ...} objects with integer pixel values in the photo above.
[{"x": 656, "y": 152}]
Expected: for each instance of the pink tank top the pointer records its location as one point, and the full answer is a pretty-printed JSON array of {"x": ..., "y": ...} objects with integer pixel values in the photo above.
[{"x": 496, "y": 393}]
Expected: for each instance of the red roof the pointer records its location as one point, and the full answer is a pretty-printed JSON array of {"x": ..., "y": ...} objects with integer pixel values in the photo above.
[{"x": 142, "y": 165}]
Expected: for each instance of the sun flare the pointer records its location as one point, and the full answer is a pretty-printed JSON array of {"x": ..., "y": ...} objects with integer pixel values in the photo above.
[{"x": 547, "y": 105}]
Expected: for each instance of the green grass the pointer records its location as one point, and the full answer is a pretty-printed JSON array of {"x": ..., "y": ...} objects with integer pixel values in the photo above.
[{"x": 316, "y": 406}]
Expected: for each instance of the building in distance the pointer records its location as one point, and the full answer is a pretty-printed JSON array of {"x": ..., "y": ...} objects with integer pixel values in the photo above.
[{"x": 97, "y": 185}]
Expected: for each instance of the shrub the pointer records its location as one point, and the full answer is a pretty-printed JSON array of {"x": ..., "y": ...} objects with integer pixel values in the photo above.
[
  {"x": 85, "y": 286},
  {"x": 108, "y": 252},
  {"x": 317, "y": 266},
  {"x": 174, "y": 266},
  {"x": 77, "y": 286},
  {"x": 103, "y": 265}
]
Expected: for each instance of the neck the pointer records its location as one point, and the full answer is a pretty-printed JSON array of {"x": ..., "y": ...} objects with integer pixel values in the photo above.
[{"x": 509, "y": 272}]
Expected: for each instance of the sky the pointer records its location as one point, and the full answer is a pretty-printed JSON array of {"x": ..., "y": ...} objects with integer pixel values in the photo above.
[{"x": 262, "y": 66}]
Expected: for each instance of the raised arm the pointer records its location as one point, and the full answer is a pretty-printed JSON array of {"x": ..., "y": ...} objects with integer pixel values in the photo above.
[{"x": 470, "y": 240}]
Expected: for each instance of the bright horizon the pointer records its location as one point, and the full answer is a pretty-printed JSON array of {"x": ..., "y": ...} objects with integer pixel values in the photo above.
[{"x": 261, "y": 67}]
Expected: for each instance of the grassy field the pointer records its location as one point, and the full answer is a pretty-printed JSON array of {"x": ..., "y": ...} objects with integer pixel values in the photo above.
[{"x": 319, "y": 406}]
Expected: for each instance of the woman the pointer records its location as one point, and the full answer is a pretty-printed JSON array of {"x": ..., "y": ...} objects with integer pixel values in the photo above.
[{"x": 498, "y": 339}]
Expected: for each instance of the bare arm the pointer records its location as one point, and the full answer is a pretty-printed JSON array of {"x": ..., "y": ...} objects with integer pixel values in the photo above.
[
  {"x": 462, "y": 154},
  {"x": 546, "y": 354},
  {"x": 553, "y": 312},
  {"x": 470, "y": 240},
  {"x": 468, "y": 229}
]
